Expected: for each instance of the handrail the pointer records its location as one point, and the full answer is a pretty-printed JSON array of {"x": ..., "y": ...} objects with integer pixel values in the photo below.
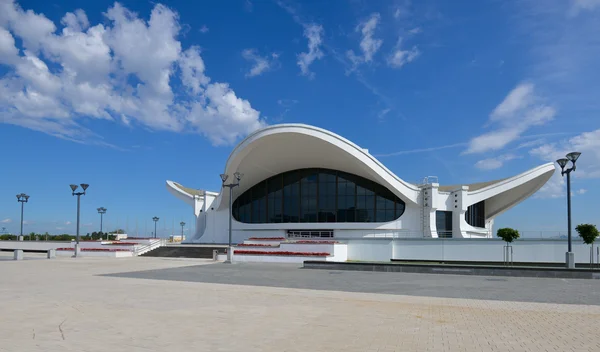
[{"x": 139, "y": 250}]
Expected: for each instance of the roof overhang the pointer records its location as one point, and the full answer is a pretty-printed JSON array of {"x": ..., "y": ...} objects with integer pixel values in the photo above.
[
  {"x": 187, "y": 194},
  {"x": 280, "y": 148}
]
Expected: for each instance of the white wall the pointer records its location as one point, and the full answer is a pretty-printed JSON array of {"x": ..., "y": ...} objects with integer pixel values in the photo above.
[
  {"x": 525, "y": 250},
  {"x": 370, "y": 250}
]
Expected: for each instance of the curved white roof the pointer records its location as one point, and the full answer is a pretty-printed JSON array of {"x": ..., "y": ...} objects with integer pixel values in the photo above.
[{"x": 280, "y": 148}]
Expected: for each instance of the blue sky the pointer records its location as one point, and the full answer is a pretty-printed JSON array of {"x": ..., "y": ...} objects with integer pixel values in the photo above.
[{"x": 124, "y": 96}]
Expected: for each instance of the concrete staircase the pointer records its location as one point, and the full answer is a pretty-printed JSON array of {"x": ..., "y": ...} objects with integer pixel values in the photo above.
[{"x": 184, "y": 251}]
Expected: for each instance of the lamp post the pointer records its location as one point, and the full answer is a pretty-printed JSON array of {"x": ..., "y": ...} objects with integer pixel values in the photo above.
[
  {"x": 155, "y": 219},
  {"x": 238, "y": 176},
  {"x": 84, "y": 186},
  {"x": 102, "y": 211},
  {"x": 182, "y": 225},
  {"x": 569, "y": 256},
  {"x": 22, "y": 198}
]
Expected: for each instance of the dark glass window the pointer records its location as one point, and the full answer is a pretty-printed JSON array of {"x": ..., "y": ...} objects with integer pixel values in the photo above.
[
  {"x": 317, "y": 195},
  {"x": 475, "y": 215},
  {"x": 443, "y": 222}
]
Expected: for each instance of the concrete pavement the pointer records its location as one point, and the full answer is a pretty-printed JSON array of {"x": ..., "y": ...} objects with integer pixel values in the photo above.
[{"x": 88, "y": 304}]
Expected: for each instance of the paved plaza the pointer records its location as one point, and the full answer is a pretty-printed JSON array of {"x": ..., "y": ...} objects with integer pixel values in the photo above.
[{"x": 169, "y": 304}]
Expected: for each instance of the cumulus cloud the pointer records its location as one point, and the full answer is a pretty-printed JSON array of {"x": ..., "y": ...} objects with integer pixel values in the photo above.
[
  {"x": 6, "y": 221},
  {"x": 126, "y": 70},
  {"x": 314, "y": 33},
  {"x": 518, "y": 112},
  {"x": 260, "y": 64},
  {"x": 496, "y": 162}
]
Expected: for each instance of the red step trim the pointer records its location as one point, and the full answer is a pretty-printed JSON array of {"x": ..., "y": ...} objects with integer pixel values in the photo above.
[{"x": 284, "y": 253}]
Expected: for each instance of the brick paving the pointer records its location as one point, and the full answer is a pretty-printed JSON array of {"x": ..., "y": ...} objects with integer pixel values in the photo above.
[{"x": 88, "y": 304}]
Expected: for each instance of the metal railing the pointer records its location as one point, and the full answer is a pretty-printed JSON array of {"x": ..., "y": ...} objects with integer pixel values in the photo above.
[{"x": 155, "y": 243}]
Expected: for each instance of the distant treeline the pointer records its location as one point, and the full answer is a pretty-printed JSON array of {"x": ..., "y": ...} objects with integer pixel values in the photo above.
[{"x": 64, "y": 237}]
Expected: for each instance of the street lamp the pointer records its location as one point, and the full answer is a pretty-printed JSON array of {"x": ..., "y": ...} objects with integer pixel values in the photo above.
[
  {"x": 570, "y": 256},
  {"x": 84, "y": 186},
  {"x": 22, "y": 198},
  {"x": 101, "y": 211},
  {"x": 155, "y": 219},
  {"x": 238, "y": 176},
  {"x": 182, "y": 225}
]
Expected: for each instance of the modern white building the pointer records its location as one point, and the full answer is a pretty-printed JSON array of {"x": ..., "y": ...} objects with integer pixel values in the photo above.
[{"x": 304, "y": 181}]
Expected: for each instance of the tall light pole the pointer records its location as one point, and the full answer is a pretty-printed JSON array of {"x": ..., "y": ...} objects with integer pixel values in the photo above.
[
  {"x": 102, "y": 211},
  {"x": 84, "y": 186},
  {"x": 238, "y": 176},
  {"x": 182, "y": 225},
  {"x": 155, "y": 219},
  {"x": 569, "y": 256},
  {"x": 22, "y": 198}
]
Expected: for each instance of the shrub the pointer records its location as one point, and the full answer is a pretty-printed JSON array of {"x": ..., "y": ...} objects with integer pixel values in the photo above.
[
  {"x": 508, "y": 234},
  {"x": 588, "y": 232}
]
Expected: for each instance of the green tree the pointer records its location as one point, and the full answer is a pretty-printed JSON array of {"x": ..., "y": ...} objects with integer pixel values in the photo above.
[
  {"x": 508, "y": 235},
  {"x": 587, "y": 232}
]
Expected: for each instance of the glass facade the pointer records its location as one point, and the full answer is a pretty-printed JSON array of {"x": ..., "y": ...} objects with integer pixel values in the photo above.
[
  {"x": 475, "y": 215},
  {"x": 317, "y": 196},
  {"x": 443, "y": 223}
]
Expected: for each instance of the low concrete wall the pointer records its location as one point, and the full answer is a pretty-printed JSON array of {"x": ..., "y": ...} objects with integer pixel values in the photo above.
[
  {"x": 370, "y": 250},
  {"x": 95, "y": 254},
  {"x": 33, "y": 245},
  {"x": 272, "y": 258},
  {"x": 488, "y": 250},
  {"x": 457, "y": 269}
]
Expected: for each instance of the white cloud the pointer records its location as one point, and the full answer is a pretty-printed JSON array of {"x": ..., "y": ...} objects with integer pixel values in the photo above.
[
  {"x": 496, "y": 162},
  {"x": 192, "y": 70},
  {"x": 204, "y": 29},
  {"x": 67, "y": 223},
  {"x": 381, "y": 114},
  {"x": 369, "y": 45},
  {"x": 122, "y": 72},
  {"x": 400, "y": 57},
  {"x": 402, "y": 9},
  {"x": 518, "y": 112},
  {"x": 6, "y": 221},
  {"x": 260, "y": 64},
  {"x": 77, "y": 21},
  {"x": 8, "y": 51},
  {"x": 578, "y": 6},
  {"x": 314, "y": 33},
  {"x": 587, "y": 143},
  {"x": 562, "y": 52},
  {"x": 554, "y": 188},
  {"x": 588, "y": 165}
]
